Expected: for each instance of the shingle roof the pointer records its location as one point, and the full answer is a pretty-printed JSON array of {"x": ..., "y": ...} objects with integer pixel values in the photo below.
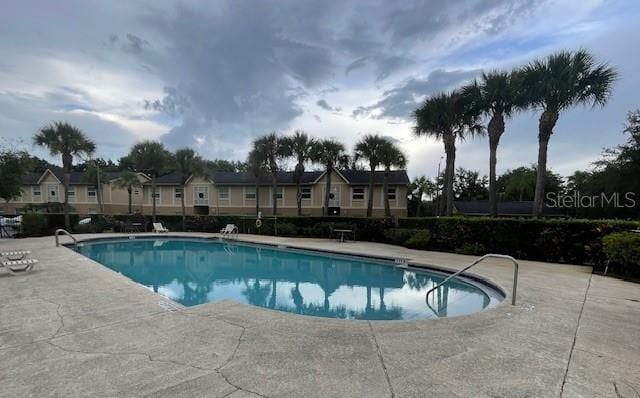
[
  {"x": 396, "y": 177},
  {"x": 481, "y": 208},
  {"x": 245, "y": 178}
]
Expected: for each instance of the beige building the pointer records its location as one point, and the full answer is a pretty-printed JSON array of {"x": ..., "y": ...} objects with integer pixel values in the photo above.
[{"x": 218, "y": 193}]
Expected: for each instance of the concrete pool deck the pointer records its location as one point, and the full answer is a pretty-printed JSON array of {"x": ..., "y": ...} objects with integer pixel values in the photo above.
[{"x": 75, "y": 328}]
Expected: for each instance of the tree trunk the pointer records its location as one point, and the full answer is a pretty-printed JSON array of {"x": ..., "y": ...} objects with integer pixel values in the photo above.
[
  {"x": 496, "y": 128},
  {"x": 327, "y": 192},
  {"x": 299, "y": 198},
  {"x": 130, "y": 191},
  {"x": 370, "y": 193},
  {"x": 449, "y": 171},
  {"x": 546, "y": 124},
  {"x": 385, "y": 193},
  {"x": 67, "y": 218},
  {"x": 67, "y": 162},
  {"x": 257, "y": 198},
  {"x": 274, "y": 193},
  {"x": 153, "y": 196},
  {"x": 184, "y": 214},
  {"x": 419, "y": 202}
]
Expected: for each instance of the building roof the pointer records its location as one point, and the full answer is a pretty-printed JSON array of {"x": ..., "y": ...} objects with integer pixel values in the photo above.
[
  {"x": 514, "y": 208},
  {"x": 396, "y": 177},
  {"x": 354, "y": 177}
]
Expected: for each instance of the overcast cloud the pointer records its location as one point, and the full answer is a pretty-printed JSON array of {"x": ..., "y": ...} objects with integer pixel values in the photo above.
[{"x": 213, "y": 75}]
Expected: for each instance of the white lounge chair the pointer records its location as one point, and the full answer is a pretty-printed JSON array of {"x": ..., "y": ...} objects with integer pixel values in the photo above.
[
  {"x": 158, "y": 227},
  {"x": 85, "y": 221},
  {"x": 16, "y": 255},
  {"x": 229, "y": 230},
  {"x": 19, "y": 267}
]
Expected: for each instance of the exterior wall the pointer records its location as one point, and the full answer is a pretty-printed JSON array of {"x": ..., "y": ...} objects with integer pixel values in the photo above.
[{"x": 116, "y": 199}]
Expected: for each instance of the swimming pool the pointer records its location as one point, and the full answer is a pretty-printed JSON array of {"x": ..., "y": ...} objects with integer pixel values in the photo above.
[{"x": 197, "y": 271}]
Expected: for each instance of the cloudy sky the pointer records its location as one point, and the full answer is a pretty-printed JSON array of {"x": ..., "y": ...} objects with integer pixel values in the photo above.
[{"x": 213, "y": 75}]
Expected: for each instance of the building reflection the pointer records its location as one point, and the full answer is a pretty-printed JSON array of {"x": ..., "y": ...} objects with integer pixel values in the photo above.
[{"x": 190, "y": 272}]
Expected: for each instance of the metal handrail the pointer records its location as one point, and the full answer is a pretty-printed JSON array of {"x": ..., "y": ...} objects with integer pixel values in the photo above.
[
  {"x": 62, "y": 231},
  {"x": 486, "y": 256}
]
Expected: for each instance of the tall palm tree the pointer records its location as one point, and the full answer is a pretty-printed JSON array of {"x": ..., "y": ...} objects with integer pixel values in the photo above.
[
  {"x": 497, "y": 95},
  {"x": 273, "y": 149},
  {"x": 256, "y": 166},
  {"x": 63, "y": 139},
  {"x": 188, "y": 163},
  {"x": 152, "y": 158},
  {"x": 446, "y": 116},
  {"x": 368, "y": 148},
  {"x": 128, "y": 180},
  {"x": 390, "y": 156},
  {"x": 329, "y": 153},
  {"x": 299, "y": 146},
  {"x": 555, "y": 84},
  {"x": 422, "y": 185}
]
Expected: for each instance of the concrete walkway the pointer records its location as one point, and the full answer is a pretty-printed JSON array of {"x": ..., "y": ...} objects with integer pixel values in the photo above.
[{"x": 74, "y": 328}]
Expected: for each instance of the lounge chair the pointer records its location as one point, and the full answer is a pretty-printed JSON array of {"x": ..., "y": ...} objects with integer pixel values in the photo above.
[
  {"x": 16, "y": 255},
  {"x": 158, "y": 227},
  {"x": 229, "y": 230},
  {"x": 19, "y": 267}
]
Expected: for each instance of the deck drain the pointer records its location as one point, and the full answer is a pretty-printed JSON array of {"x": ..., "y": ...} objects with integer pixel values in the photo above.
[{"x": 171, "y": 307}]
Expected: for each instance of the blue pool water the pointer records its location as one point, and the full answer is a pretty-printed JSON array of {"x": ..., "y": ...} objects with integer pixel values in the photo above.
[{"x": 194, "y": 272}]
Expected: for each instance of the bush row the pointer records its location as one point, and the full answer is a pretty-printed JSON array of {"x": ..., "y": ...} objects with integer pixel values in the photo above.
[{"x": 562, "y": 241}]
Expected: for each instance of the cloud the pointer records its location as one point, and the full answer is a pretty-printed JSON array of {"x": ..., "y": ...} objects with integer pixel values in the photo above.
[
  {"x": 400, "y": 101},
  {"x": 325, "y": 105}
]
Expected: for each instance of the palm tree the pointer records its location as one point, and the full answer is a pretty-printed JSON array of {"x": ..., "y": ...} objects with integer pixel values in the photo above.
[
  {"x": 256, "y": 166},
  {"x": 128, "y": 180},
  {"x": 68, "y": 141},
  {"x": 390, "y": 156},
  {"x": 555, "y": 84},
  {"x": 188, "y": 163},
  {"x": 422, "y": 185},
  {"x": 95, "y": 175},
  {"x": 368, "y": 148},
  {"x": 446, "y": 116},
  {"x": 496, "y": 95},
  {"x": 299, "y": 146},
  {"x": 150, "y": 157},
  {"x": 272, "y": 149},
  {"x": 329, "y": 153}
]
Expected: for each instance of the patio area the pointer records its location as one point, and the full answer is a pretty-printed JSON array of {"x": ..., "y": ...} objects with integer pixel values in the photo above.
[{"x": 73, "y": 327}]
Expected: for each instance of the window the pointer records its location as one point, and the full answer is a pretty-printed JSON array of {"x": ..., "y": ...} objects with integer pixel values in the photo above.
[
  {"x": 250, "y": 193},
  {"x": 391, "y": 193},
  {"x": 358, "y": 193},
  {"x": 92, "y": 194},
  {"x": 178, "y": 193},
  {"x": 279, "y": 192},
  {"x": 201, "y": 195},
  {"x": 35, "y": 192},
  {"x": 223, "y": 193},
  {"x": 136, "y": 191},
  {"x": 1, "y": 210},
  {"x": 52, "y": 193},
  {"x": 305, "y": 192},
  {"x": 71, "y": 193},
  {"x": 92, "y": 210}
]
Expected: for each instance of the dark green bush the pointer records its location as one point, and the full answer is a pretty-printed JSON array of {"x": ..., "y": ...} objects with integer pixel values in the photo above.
[
  {"x": 623, "y": 248},
  {"x": 399, "y": 236},
  {"x": 419, "y": 240},
  {"x": 287, "y": 229},
  {"x": 475, "y": 249},
  {"x": 34, "y": 224}
]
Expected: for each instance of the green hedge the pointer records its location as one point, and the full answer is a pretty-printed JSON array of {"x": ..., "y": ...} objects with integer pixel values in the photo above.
[
  {"x": 552, "y": 240},
  {"x": 563, "y": 241},
  {"x": 623, "y": 249}
]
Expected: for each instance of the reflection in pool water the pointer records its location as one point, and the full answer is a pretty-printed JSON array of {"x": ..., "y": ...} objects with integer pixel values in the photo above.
[{"x": 193, "y": 272}]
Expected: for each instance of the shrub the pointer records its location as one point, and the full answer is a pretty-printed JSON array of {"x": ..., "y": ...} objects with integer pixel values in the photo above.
[
  {"x": 287, "y": 229},
  {"x": 419, "y": 240},
  {"x": 34, "y": 224},
  {"x": 475, "y": 249},
  {"x": 399, "y": 236},
  {"x": 624, "y": 249}
]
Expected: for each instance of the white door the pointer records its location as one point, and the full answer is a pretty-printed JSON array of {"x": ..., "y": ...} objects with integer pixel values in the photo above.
[{"x": 201, "y": 195}]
